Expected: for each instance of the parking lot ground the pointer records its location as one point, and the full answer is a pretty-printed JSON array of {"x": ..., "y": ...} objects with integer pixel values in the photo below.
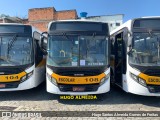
[{"x": 37, "y": 99}]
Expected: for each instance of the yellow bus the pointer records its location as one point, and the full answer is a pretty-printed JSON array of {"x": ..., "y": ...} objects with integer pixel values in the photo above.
[
  {"x": 136, "y": 54},
  {"x": 22, "y": 63},
  {"x": 78, "y": 57}
]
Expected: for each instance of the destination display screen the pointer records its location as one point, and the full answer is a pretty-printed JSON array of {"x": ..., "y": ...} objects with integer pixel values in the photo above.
[
  {"x": 15, "y": 29},
  {"x": 78, "y": 26},
  {"x": 147, "y": 23}
]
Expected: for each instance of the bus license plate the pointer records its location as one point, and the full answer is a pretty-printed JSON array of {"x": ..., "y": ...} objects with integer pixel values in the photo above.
[
  {"x": 78, "y": 89},
  {"x": 2, "y": 85}
]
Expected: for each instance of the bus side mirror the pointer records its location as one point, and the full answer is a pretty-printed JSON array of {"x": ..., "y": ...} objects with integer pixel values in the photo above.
[
  {"x": 43, "y": 42},
  {"x": 129, "y": 50},
  {"x": 129, "y": 39},
  {"x": 129, "y": 43}
]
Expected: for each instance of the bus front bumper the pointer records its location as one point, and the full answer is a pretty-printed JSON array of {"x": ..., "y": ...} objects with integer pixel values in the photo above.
[
  {"x": 51, "y": 88},
  {"x": 136, "y": 88},
  {"x": 27, "y": 84}
]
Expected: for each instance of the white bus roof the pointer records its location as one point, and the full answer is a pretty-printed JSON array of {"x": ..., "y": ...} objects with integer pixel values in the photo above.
[
  {"x": 79, "y": 20},
  {"x": 11, "y": 24},
  {"x": 20, "y": 24},
  {"x": 129, "y": 22},
  {"x": 151, "y": 17}
]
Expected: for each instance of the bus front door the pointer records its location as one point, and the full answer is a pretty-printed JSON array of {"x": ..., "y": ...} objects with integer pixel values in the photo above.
[{"x": 119, "y": 59}]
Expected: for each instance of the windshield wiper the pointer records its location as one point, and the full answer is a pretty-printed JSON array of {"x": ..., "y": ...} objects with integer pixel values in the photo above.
[
  {"x": 158, "y": 43},
  {"x": 93, "y": 38},
  {"x": 11, "y": 43}
]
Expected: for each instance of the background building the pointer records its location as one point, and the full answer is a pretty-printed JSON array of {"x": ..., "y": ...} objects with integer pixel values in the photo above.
[
  {"x": 113, "y": 20},
  {"x": 40, "y": 17}
]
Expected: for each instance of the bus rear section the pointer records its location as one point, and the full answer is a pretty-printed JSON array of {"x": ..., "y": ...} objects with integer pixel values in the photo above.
[
  {"x": 78, "y": 58},
  {"x": 18, "y": 70},
  {"x": 137, "y": 56}
]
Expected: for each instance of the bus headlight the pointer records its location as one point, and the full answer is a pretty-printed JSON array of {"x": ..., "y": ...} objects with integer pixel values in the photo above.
[
  {"x": 51, "y": 79},
  {"x": 27, "y": 76},
  {"x": 23, "y": 78},
  {"x": 104, "y": 79},
  {"x": 142, "y": 82},
  {"x": 134, "y": 77},
  {"x": 138, "y": 79}
]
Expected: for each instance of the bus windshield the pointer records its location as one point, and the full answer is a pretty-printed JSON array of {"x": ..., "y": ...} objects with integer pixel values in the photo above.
[
  {"x": 72, "y": 51},
  {"x": 15, "y": 51},
  {"x": 146, "y": 49}
]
